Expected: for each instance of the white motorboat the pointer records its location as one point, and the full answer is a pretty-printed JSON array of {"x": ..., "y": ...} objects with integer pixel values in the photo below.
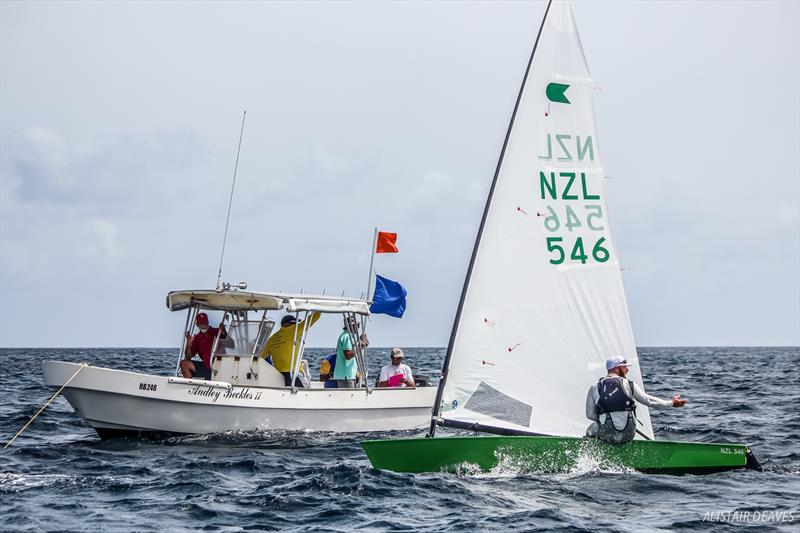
[{"x": 245, "y": 392}]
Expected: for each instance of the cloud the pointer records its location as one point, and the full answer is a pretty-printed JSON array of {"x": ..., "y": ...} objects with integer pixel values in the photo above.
[
  {"x": 102, "y": 236},
  {"x": 71, "y": 204},
  {"x": 110, "y": 174}
]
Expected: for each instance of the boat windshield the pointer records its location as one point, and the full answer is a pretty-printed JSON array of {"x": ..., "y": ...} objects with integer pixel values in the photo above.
[{"x": 249, "y": 335}]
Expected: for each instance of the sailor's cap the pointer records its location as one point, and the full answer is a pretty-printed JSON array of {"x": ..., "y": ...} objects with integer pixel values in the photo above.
[{"x": 616, "y": 361}]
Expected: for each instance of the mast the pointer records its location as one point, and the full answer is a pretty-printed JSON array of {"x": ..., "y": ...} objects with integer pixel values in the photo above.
[
  {"x": 371, "y": 264},
  {"x": 230, "y": 203},
  {"x": 454, "y": 331}
]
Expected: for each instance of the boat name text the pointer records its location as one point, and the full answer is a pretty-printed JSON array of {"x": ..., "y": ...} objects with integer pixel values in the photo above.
[{"x": 214, "y": 393}]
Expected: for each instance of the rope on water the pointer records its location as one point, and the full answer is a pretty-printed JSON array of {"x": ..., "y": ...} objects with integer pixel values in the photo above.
[{"x": 83, "y": 365}]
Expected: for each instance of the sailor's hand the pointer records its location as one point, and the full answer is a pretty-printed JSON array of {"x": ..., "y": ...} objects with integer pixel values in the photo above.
[
  {"x": 677, "y": 401},
  {"x": 222, "y": 331},
  {"x": 364, "y": 340}
]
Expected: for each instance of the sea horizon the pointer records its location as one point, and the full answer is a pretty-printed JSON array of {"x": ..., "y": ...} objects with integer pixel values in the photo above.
[{"x": 388, "y": 347}]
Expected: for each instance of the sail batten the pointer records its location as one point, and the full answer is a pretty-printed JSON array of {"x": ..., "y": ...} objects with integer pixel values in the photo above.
[{"x": 543, "y": 303}]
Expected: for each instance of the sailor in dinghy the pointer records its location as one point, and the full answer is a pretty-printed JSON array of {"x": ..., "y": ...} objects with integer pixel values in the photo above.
[{"x": 611, "y": 404}]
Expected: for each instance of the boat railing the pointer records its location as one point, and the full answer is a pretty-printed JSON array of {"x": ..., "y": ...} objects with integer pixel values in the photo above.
[
  {"x": 298, "y": 348},
  {"x": 359, "y": 348}
]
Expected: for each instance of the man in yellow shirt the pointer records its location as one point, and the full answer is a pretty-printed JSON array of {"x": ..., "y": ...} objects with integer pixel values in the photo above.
[{"x": 279, "y": 346}]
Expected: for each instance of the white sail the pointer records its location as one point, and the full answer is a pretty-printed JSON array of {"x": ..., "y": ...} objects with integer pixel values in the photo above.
[{"x": 543, "y": 305}]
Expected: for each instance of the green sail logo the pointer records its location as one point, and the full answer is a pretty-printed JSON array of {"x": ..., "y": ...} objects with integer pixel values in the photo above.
[{"x": 555, "y": 93}]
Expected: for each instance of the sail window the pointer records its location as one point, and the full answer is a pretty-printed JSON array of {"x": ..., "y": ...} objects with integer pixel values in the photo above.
[{"x": 487, "y": 400}]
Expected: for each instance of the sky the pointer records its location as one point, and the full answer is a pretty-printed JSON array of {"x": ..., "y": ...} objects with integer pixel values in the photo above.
[{"x": 119, "y": 124}]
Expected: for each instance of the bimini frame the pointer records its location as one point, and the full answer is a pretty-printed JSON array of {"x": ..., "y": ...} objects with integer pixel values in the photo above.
[{"x": 236, "y": 303}]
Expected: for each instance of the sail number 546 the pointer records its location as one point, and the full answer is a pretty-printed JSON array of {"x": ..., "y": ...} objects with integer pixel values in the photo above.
[
  {"x": 593, "y": 220},
  {"x": 578, "y": 253}
]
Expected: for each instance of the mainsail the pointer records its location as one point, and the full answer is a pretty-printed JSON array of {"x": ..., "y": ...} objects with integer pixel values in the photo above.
[{"x": 543, "y": 304}]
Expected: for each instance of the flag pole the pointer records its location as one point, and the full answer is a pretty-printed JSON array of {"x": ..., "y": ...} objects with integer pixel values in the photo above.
[{"x": 371, "y": 262}]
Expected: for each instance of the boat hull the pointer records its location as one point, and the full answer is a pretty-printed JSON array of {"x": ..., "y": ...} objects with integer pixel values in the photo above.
[
  {"x": 553, "y": 454},
  {"x": 116, "y": 402}
]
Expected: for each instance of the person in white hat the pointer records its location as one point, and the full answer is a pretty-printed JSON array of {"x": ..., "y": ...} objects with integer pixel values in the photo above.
[
  {"x": 396, "y": 373},
  {"x": 611, "y": 404}
]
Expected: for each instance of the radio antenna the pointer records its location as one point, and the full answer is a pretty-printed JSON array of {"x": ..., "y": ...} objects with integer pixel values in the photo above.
[{"x": 230, "y": 202}]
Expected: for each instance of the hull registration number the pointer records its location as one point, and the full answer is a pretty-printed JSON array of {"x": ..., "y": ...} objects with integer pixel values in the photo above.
[{"x": 731, "y": 451}]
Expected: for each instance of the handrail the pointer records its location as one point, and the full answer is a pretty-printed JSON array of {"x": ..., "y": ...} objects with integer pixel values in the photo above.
[{"x": 190, "y": 381}]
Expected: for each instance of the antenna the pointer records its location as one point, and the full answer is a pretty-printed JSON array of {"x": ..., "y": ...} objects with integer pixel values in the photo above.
[{"x": 230, "y": 202}]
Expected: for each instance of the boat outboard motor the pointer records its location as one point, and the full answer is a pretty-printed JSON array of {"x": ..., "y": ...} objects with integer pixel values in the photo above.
[{"x": 614, "y": 399}]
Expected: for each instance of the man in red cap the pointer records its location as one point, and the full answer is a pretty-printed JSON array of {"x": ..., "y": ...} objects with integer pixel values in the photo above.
[{"x": 201, "y": 344}]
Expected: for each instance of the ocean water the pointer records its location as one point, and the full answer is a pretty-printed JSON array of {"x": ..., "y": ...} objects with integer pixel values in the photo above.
[{"x": 59, "y": 476}]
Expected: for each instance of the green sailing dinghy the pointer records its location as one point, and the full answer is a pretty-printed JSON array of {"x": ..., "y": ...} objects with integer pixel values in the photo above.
[
  {"x": 543, "y": 305},
  {"x": 554, "y": 455}
]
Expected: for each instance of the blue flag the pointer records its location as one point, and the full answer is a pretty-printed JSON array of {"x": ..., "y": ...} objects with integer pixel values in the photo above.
[{"x": 389, "y": 298}]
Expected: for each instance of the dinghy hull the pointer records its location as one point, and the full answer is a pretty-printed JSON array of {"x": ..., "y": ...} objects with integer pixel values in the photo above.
[{"x": 553, "y": 454}]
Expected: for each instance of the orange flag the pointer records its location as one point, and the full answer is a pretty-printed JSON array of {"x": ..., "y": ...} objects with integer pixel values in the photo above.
[{"x": 387, "y": 243}]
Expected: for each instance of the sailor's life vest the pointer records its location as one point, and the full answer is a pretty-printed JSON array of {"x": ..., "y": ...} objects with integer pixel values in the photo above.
[{"x": 614, "y": 399}]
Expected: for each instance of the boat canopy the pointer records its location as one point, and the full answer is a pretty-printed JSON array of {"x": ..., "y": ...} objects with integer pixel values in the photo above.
[{"x": 253, "y": 301}]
